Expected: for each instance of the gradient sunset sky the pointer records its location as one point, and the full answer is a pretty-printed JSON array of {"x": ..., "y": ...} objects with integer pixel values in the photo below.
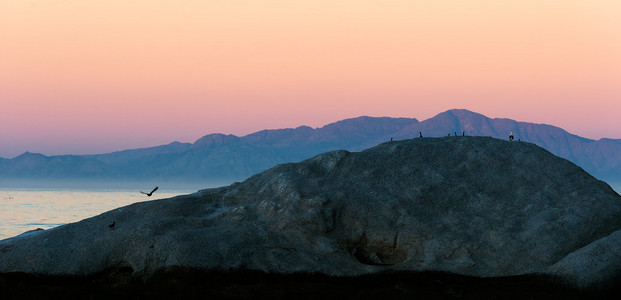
[{"x": 79, "y": 77}]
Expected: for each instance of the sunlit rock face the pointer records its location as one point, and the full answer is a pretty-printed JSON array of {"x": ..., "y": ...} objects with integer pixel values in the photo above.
[{"x": 469, "y": 205}]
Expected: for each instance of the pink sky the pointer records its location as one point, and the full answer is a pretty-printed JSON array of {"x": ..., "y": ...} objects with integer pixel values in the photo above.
[{"x": 80, "y": 77}]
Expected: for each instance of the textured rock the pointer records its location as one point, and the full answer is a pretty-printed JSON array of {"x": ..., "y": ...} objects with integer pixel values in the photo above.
[
  {"x": 597, "y": 263},
  {"x": 469, "y": 205}
]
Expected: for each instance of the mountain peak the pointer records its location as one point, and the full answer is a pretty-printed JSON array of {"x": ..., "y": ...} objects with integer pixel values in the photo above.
[
  {"x": 29, "y": 155},
  {"x": 215, "y": 139},
  {"x": 458, "y": 111},
  {"x": 460, "y": 116}
]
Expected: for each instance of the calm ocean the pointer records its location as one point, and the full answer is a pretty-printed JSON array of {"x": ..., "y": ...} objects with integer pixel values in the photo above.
[{"x": 26, "y": 209}]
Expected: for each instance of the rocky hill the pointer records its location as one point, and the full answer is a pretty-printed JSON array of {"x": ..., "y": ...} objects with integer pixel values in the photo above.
[
  {"x": 228, "y": 158},
  {"x": 601, "y": 158},
  {"x": 466, "y": 205}
]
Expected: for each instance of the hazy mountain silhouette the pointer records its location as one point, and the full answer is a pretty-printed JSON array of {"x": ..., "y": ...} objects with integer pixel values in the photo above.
[
  {"x": 38, "y": 166},
  {"x": 219, "y": 157}
]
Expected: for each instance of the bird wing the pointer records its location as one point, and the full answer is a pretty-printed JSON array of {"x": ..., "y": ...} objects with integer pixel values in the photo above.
[
  {"x": 143, "y": 193},
  {"x": 155, "y": 189}
]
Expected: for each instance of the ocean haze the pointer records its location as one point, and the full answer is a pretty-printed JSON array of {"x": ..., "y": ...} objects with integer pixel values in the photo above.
[{"x": 228, "y": 158}]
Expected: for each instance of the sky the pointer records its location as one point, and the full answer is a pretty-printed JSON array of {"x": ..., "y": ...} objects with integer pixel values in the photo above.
[{"x": 84, "y": 77}]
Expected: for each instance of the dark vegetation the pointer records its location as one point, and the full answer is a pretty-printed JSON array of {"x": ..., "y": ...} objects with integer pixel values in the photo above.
[{"x": 119, "y": 283}]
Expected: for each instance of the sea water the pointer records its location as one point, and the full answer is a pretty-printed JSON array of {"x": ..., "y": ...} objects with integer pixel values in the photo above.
[{"x": 27, "y": 209}]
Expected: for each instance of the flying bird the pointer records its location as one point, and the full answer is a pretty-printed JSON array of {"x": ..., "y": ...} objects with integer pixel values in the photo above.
[
  {"x": 149, "y": 194},
  {"x": 112, "y": 225}
]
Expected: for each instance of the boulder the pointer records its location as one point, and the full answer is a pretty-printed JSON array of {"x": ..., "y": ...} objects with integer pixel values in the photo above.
[{"x": 475, "y": 206}]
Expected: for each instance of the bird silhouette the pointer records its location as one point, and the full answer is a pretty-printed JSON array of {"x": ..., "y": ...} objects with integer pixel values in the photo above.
[
  {"x": 149, "y": 194},
  {"x": 112, "y": 225}
]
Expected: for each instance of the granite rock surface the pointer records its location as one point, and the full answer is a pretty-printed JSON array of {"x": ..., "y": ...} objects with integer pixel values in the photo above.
[{"x": 468, "y": 205}]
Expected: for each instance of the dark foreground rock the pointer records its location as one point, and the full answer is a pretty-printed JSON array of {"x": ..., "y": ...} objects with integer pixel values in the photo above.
[
  {"x": 179, "y": 283},
  {"x": 465, "y": 205}
]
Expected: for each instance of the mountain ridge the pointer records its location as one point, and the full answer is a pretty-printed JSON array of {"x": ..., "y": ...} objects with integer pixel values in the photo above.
[{"x": 232, "y": 158}]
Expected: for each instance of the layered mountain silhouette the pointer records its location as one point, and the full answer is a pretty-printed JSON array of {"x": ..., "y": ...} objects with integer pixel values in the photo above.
[{"x": 219, "y": 157}]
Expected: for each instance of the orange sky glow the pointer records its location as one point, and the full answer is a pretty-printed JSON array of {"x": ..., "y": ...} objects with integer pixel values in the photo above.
[{"x": 81, "y": 77}]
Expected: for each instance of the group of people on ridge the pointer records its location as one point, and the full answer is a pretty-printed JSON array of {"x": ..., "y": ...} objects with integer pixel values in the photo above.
[{"x": 463, "y": 133}]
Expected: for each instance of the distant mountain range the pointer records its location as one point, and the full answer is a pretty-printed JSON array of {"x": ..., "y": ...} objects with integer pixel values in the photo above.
[{"x": 227, "y": 158}]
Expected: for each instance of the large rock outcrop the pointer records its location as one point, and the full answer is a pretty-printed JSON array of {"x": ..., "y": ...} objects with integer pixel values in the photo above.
[{"x": 469, "y": 205}]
